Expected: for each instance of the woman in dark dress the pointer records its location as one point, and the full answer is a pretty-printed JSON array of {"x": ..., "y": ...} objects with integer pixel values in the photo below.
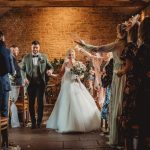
[
  {"x": 106, "y": 83},
  {"x": 126, "y": 120},
  {"x": 142, "y": 72}
]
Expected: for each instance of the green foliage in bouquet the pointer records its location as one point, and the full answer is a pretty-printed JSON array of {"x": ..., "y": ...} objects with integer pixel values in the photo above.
[{"x": 78, "y": 68}]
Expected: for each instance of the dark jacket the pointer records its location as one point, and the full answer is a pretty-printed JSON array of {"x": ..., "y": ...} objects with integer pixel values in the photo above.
[
  {"x": 141, "y": 67},
  {"x": 6, "y": 66},
  {"x": 107, "y": 78},
  {"x": 18, "y": 77}
]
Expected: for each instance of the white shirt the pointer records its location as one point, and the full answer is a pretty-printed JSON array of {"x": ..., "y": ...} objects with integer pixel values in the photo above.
[{"x": 35, "y": 59}]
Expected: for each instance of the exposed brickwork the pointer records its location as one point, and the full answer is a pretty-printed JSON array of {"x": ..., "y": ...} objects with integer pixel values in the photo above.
[{"x": 57, "y": 27}]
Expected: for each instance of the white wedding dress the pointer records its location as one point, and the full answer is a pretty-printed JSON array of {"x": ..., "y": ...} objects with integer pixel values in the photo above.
[{"x": 75, "y": 109}]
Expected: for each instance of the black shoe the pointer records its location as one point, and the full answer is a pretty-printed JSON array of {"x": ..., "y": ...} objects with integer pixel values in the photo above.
[{"x": 33, "y": 127}]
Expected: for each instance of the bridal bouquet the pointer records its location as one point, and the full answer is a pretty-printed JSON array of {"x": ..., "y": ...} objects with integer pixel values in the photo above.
[{"x": 78, "y": 69}]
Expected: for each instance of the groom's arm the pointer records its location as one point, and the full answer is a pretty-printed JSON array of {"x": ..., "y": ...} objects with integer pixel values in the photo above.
[{"x": 48, "y": 65}]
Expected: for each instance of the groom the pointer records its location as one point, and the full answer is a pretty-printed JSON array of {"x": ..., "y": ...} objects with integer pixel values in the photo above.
[{"x": 35, "y": 67}]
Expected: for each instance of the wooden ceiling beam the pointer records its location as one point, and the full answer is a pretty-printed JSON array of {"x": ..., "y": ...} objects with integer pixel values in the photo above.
[
  {"x": 70, "y": 3},
  {"x": 125, "y": 10}
]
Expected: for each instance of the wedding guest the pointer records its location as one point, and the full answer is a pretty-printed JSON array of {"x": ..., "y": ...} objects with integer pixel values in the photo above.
[
  {"x": 117, "y": 83},
  {"x": 105, "y": 61},
  {"x": 89, "y": 75},
  {"x": 6, "y": 67},
  {"x": 126, "y": 120},
  {"x": 96, "y": 61},
  {"x": 106, "y": 83},
  {"x": 34, "y": 68},
  {"x": 141, "y": 69},
  {"x": 18, "y": 78}
]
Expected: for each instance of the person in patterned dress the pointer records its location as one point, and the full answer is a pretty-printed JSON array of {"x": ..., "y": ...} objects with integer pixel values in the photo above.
[
  {"x": 126, "y": 119},
  {"x": 106, "y": 83}
]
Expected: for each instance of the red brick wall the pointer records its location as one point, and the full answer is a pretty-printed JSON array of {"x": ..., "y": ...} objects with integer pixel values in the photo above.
[{"x": 56, "y": 27}]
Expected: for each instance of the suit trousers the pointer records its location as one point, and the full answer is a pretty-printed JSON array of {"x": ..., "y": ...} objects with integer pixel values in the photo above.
[{"x": 36, "y": 90}]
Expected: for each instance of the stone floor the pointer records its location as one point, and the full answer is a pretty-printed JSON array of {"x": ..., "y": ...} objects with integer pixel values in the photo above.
[{"x": 43, "y": 139}]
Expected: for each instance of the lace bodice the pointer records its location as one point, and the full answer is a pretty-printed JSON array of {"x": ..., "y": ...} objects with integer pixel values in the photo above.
[{"x": 67, "y": 74}]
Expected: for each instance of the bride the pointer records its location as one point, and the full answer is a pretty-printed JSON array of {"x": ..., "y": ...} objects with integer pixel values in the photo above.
[{"x": 75, "y": 109}]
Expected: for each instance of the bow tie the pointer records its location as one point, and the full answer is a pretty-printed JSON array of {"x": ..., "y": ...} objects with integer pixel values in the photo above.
[{"x": 35, "y": 56}]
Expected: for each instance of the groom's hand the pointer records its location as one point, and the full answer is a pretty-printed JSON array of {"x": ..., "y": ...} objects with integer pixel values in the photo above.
[
  {"x": 49, "y": 72},
  {"x": 26, "y": 81}
]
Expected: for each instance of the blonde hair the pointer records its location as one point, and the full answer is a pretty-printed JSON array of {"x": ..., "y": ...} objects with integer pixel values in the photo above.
[{"x": 69, "y": 51}]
